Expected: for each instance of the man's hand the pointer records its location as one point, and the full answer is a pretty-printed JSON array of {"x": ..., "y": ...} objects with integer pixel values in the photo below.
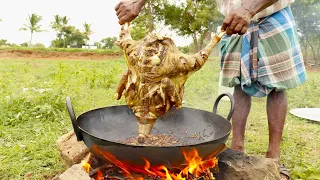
[
  {"x": 237, "y": 21},
  {"x": 127, "y": 10}
]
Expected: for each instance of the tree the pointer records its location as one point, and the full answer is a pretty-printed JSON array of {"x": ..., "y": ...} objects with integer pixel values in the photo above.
[
  {"x": 138, "y": 32},
  {"x": 3, "y": 42},
  {"x": 98, "y": 44},
  {"x": 108, "y": 43},
  {"x": 149, "y": 18},
  {"x": 72, "y": 36},
  {"x": 307, "y": 17},
  {"x": 59, "y": 24},
  {"x": 87, "y": 31},
  {"x": 32, "y": 25},
  {"x": 195, "y": 18},
  {"x": 77, "y": 38},
  {"x": 56, "y": 24}
]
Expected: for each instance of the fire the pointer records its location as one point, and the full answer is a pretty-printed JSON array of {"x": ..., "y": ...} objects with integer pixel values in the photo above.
[
  {"x": 86, "y": 166},
  {"x": 195, "y": 166},
  {"x": 99, "y": 176}
]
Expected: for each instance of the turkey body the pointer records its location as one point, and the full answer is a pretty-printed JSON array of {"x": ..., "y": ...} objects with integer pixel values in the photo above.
[{"x": 156, "y": 74}]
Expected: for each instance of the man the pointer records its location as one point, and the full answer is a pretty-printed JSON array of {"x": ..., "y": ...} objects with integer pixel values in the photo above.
[{"x": 260, "y": 56}]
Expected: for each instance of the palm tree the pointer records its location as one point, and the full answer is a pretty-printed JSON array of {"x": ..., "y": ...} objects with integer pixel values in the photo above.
[
  {"x": 32, "y": 25},
  {"x": 65, "y": 20},
  {"x": 87, "y": 31},
  {"x": 58, "y": 24}
]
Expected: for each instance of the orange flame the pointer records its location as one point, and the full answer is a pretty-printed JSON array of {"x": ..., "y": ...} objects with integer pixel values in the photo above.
[
  {"x": 99, "y": 176},
  {"x": 195, "y": 166},
  {"x": 86, "y": 166}
]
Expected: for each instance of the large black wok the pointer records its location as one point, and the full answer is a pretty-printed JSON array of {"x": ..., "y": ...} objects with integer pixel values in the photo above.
[{"x": 100, "y": 129}]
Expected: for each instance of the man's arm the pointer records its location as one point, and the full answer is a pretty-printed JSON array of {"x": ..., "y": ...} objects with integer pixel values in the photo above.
[
  {"x": 127, "y": 10},
  {"x": 239, "y": 19},
  {"x": 257, "y": 5}
]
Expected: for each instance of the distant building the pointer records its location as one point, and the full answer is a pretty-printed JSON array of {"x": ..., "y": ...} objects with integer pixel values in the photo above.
[{"x": 89, "y": 47}]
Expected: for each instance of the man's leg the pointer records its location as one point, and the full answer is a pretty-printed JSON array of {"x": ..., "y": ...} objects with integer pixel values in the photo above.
[
  {"x": 277, "y": 110},
  {"x": 239, "y": 118}
]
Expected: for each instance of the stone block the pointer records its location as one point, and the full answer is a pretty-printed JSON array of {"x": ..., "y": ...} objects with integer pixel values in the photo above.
[
  {"x": 234, "y": 165},
  {"x": 71, "y": 151},
  {"x": 75, "y": 172}
]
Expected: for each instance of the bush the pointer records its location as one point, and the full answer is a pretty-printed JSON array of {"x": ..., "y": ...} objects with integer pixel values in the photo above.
[
  {"x": 3, "y": 42},
  {"x": 25, "y": 44},
  {"x": 38, "y": 45}
]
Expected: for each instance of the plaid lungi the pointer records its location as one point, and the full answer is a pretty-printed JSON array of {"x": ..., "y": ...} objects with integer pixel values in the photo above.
[{"x": 268, "y": 57}]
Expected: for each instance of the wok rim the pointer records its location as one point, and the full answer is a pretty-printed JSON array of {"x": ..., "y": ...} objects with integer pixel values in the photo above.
[{"x": 139, "y": 146}]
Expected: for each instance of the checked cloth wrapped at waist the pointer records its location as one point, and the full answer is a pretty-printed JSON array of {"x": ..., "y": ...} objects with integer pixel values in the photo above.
[{"x": 268, "y": 57}]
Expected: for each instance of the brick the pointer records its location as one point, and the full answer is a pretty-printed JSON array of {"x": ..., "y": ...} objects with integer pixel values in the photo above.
[
  {"x": 75, "y": 172},
  {"x": 71, "y": 151}
]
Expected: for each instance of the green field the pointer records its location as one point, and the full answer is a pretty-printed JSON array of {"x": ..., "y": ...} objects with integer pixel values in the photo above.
[
  {"x": 31, "y": 120},
  {"x": 69, "y": 50}
]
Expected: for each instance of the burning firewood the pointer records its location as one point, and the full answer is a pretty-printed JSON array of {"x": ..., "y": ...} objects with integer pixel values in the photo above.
[
  {"x": 156, "y": 74},
  {"x": 100, "y": 168},
  {"x": 208, "y": 175}
]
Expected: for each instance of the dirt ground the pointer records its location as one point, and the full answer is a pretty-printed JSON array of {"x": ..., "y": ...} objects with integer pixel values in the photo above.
[{"x": 29, "y": 54}]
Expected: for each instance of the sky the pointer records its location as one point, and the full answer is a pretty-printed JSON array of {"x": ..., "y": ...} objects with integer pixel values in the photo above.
[{"x": 99, "y": 13}]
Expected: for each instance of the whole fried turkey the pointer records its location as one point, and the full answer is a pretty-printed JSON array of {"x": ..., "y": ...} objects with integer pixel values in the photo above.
[{"x": 156, "y": 74}]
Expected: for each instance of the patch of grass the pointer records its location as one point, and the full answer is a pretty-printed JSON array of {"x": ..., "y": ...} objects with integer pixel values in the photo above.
[
  {"x": 97, "y": 51},
  {"x": 33, "y": 114},
  {"x": 32, "y": 121}
]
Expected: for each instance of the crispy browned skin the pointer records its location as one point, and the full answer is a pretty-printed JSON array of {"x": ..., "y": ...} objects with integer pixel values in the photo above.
[{"x": 156, "y": 73}]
